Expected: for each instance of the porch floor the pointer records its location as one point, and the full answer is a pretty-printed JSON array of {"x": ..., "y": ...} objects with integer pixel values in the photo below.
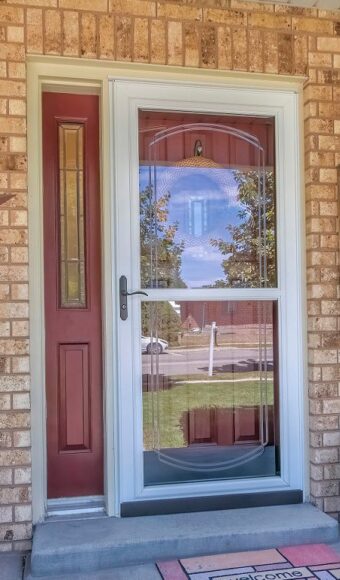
[{"x": 94, "y": 545}]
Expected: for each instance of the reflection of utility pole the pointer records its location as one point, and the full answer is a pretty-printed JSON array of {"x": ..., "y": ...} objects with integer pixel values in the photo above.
[{"x": 211, "y": 348}]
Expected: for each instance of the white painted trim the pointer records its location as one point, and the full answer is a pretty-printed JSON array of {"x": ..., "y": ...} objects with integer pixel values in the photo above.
[
  {"x": 79, "y": 75},
  {"x": 129, "y": 96}
]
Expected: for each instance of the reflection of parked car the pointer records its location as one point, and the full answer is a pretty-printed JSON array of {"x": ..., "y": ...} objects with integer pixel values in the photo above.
[{"x": 151, "y": 345}]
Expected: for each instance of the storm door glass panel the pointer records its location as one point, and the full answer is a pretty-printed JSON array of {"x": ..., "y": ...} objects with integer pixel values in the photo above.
[
  {"x": 71, "y": 211},
  {"x": 207, "y": 201},
  {"x": 209, "y": 366},
  {"x": 209, "y": 390}
]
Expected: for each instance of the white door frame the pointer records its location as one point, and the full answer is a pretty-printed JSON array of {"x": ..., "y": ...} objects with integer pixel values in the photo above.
[
  {"x": 128, "y": 97},
  {"x": 83, "y": 75}
]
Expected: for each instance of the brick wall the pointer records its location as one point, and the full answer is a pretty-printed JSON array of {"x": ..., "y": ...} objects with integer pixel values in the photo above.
[{"x": 224, "y": 34}]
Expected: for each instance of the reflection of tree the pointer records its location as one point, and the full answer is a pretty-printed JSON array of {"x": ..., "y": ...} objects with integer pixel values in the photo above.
[
  {"x": 243, "y": 251},
  {"x": 161, "y": 317},
  {"x": 160, "y": 254}
]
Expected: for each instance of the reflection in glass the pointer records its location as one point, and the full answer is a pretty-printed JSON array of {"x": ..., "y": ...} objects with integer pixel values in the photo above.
[
  {"x": 207, "y": 223},
  {"x": 71, "y": 204},
  {"x": 209, "y": 390}
]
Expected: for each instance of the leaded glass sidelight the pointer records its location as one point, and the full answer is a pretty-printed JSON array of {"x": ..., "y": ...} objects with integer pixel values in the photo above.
[{"x": 71, "y": 207}]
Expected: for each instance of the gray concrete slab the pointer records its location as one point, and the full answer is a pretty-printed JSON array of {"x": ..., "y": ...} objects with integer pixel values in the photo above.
[
  {"x": 11, "y": 566},
  {"x": 99, "y": 544},
  {"x": 141, "y": 572}
]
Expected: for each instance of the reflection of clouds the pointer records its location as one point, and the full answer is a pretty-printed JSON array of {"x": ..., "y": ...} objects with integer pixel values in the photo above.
[
  {"x": 202, "y": 252},
  {"x": 222, "y": 184}
]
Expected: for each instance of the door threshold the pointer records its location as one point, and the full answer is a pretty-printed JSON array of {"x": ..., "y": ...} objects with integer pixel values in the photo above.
[{"x": 87, "y": 506}]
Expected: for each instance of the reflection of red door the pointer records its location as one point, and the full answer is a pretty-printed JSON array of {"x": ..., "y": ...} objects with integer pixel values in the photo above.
[{"x": 72, "y": 295}]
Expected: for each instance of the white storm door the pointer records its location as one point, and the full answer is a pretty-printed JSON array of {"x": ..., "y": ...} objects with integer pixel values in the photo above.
[{"x": 210, "y": 354}]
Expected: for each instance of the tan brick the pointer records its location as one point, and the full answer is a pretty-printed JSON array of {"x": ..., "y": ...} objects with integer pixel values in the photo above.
[
  {"x": 270, "y": 52},
  {"x": 191, "y": 45},
  {"x": 331, "y": 406},
  {"x": 22, "y": 475},
  {"x": 6, "y": 476},
  {"x": 12, "y": 89},
  {"x": 19, "y": 328},
  {"x": 254, "y": 6},
  {"x": 134, "y": 7},
  {"x": 178, "y": 11},
  {"x": 332, "y": 471},
  {"x": 23, "y": 513},
  {"x": 175, "y": 43},
  {"x": 300, "y": 52},
  {"x": 332, "y": 504},
  {"x": 255, "y": 58},
  {"x": 16, "y": 457},
  {"x": 40, "y": 3},
  {"x": 328, "y": 44},
  {"x": 324, "y": 455},
  {"x": 224, "y": 47},
  {"x": 12, "y": 124},
  {"x": 18, "y": 144},
  {"x": 5, "y": 439},
  {"x": 15, "y": 34},
  {"x": 14, "y": 420},
  {"x": 228, "y": 17},
  {"x": 20, "y": 364},
  {"x": 321, "y": 159},
  {"x": 11, "y": 15},
  {"x": 157, "y": 49},
  {"x": 19, "y": 255},
  {"x": 312, "y": 25},
  {"x": 270, "y": 21},
  {"x": 21, "y": 439},
  {"x": 141, "y": 40},
  {"x": 70, "y": 35},
  {"x": 21, "y": 401},
  {"x": 316, "y": 472},
  {"x": 18, "y": 531},
  {"x": 123, "y": 38},
  {"x": 320, "y": 59},
  {"x": 285, "y": 47},
  {"x": 14, "y": 383},
  {"x": 324, "y": 488},
  {"x": 88, "y": 35},
  {"x": 318, "y": 92},
  {"x": 16, "y": 70},
  {"x": 106, "y": 36},
  {"x": 323, "y": 423},
  {"x": 34, "y": 31},
  {"x": 5, "y": 514},
  {"x": 12, "y": 51},
  {"x": 239, "y": 49},
  {"x": 91, "y": 5},
  {"x": 208, "y": 46},
  {"x": 17, "y": 107}
]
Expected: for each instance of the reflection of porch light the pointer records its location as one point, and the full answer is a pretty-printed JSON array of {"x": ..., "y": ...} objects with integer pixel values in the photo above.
[{"x": 197, "y": 160}]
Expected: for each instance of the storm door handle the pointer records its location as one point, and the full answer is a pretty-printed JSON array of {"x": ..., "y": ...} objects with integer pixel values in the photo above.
[{"x": 123, "y": 294}]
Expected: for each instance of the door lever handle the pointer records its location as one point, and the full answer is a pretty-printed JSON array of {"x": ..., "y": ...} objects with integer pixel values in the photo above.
[
  {"x": 133, "y": 293},
  {"x": 123, "y": 294}
]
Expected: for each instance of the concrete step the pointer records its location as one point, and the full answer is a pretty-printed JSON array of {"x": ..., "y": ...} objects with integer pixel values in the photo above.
[{"x": 84, "y": 546}]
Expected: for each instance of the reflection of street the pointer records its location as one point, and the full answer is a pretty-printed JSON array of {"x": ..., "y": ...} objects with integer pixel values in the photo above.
[{"x": 195, "y": 361}]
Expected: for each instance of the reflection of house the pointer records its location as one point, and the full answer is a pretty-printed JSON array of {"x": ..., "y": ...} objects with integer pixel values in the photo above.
[{"x": 199, "y": 314}]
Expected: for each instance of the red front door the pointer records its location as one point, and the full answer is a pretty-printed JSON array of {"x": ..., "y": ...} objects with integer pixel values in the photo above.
[{"x": 72, "y": 260}]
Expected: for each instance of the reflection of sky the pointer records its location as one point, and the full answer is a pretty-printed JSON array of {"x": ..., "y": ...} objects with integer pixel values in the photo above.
[{"x": 203, "y": 202}]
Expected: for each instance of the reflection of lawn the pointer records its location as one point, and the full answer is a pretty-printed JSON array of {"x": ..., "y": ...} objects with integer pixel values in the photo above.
[{"x": 170, "y": 405}]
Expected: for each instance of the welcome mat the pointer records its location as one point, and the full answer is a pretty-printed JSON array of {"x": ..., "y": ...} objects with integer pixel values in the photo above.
[{"x": 291, "y": 563}]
